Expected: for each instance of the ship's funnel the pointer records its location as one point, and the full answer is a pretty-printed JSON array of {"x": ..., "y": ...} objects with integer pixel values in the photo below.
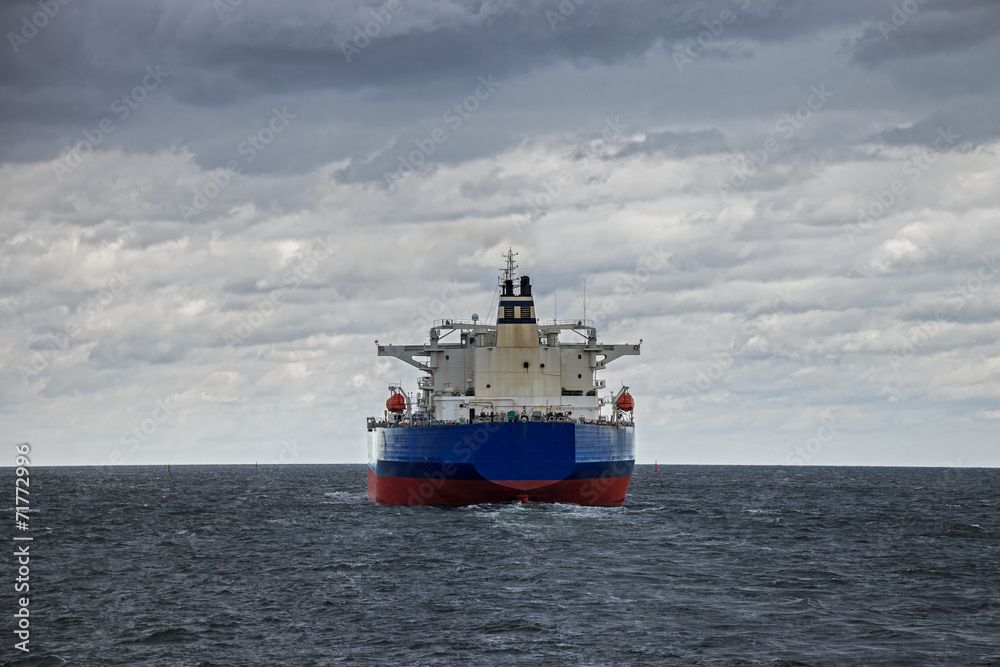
[{"x": 516, "y": 324}]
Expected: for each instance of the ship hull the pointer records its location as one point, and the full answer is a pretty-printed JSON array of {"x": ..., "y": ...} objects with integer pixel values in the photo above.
[{"x": 467, "y": 464}]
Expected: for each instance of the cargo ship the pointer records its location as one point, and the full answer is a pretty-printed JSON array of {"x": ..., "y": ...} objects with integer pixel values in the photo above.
[{"x": 506, "y": 412}]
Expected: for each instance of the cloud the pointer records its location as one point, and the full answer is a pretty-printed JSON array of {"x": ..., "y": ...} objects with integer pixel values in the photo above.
[
  {"x": 676, "y": 144},
  {"x": 923, "y": 29},
  {"x": 137, "y": 267}
]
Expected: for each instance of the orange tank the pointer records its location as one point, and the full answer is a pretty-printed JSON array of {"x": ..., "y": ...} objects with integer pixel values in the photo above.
[
  {"x": 625, "y": 402},
  {"x": 396, "y": 403}
]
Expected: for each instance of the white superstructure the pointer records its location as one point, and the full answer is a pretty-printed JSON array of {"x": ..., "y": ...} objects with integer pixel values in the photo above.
[{"x": 515, "y": 365}]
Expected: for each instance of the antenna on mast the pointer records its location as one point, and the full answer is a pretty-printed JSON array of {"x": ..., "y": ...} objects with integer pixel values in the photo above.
[
  {"x": 508, "y": 273},
  {"x": 584, "y": 301}
]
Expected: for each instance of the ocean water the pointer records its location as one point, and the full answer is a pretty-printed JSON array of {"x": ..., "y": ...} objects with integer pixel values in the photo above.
[{"x": 704, "y": 565}]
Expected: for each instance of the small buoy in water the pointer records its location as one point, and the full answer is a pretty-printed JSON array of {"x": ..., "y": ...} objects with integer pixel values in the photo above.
[{"x": 654, "y": 466}]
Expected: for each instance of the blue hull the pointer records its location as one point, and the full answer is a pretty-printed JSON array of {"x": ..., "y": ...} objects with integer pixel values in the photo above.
[{"x": 470, "y": 463}]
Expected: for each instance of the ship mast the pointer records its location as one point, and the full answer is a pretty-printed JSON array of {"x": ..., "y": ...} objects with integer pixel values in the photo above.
[{"x": 508, "y": 273}]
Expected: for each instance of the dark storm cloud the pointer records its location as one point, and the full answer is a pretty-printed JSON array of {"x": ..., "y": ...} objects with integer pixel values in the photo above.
[
  {"x": 261, "y": 49},
  {"x": 89, "y": 61},
  {"x": 92, "y": 52},
  {"x": 922, "y": 28}
]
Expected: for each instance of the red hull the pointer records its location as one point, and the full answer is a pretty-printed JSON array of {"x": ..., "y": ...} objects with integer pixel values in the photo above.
[{"x": 605, "y": 491}]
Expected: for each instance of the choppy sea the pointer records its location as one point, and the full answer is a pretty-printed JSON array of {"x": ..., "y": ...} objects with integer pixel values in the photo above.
[{"x": 704, "y": 565}]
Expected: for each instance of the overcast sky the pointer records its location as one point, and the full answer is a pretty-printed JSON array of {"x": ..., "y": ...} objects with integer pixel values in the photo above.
[{"x": 210, "y": 211}]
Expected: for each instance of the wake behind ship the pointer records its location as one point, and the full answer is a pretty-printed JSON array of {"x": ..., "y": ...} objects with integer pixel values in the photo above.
[{"x": 506, "y": 412}]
